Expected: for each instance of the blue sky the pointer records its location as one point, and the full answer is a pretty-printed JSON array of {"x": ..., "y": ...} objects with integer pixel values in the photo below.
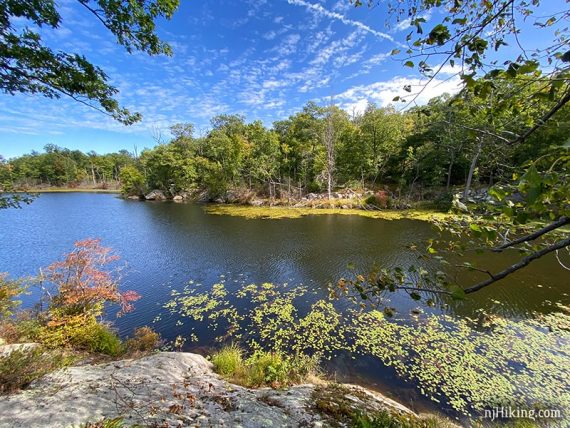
[{"x": 261, "y": 58}]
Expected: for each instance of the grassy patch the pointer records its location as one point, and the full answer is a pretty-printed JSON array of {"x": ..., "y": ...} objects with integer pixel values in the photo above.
[
  {"x": 23, "y": 366},
  {"x": 107, "y": 423},
  {"x": 263, "y": 368},
  {"x": 291, "y": 212},
  {"x": 228, "y": 361}
]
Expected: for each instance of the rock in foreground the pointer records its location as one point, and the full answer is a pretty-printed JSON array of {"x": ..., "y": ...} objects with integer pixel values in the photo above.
[{"x": 168, "y": 389}]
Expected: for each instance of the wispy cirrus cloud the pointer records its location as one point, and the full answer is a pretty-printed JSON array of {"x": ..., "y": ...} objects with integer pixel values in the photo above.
[
  {"x": 265, "y": 60},
  {"x": 320, "y": 10}
]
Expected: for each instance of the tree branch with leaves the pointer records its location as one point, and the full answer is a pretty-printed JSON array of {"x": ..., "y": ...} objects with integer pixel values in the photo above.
[{"x": 27, "y": 65}]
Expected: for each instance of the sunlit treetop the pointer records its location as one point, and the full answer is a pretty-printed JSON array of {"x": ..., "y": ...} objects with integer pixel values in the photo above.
[{"x": 482, "y": 41}]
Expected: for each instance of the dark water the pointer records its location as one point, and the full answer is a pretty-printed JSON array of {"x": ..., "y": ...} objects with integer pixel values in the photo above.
[{"x": 166, "y": 244}]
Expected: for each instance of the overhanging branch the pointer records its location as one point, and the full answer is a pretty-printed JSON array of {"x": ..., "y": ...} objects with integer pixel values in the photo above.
[
  {"x": 521, "y": 264},
  {"x": 557, "y": 224},
  {"x": 563, "y": 101}
]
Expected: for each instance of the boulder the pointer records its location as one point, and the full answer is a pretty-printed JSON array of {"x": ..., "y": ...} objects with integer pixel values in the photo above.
[
  {"x": 6, "y": 350},
  {"x": 155, "y": 195},
  {"x": 174, "y": 389},
  {"x": 178, "y": 198},
  {"x": 460, "y": 206},
  {"x": 232, "y": 196}
]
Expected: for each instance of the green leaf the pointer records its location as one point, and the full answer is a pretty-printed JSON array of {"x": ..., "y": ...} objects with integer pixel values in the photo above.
[
  {"x": 533, "y": 194},
  {"x": 522, "y": 217},
  {"x": 475, "y": 227},
  {"x": 497, "y": 193},
  {"x": 528, "y": 67},
  {"x": 457, "y": 292},
  {"x": 409, "y": 64},
  {"x": 532, "y": 176}
]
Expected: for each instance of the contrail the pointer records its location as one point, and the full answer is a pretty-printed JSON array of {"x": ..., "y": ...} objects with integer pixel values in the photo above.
[{"x": 318, "y": 9}]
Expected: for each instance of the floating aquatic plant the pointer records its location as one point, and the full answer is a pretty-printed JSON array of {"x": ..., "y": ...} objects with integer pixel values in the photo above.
[
  {"x": 280, "y": 212},
  {"x": 452, "y": 360}
]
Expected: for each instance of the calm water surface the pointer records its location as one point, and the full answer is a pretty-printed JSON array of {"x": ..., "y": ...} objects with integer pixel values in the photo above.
[{"x": 165, "y": 245}]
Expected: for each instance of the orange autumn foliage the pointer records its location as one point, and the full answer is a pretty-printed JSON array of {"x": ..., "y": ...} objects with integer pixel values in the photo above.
[{"x": 85, "y": 281}]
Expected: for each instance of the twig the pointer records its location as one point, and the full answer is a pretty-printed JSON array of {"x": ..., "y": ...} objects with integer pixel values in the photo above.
[
  {"x": 521, "y": 264},
  {"x": 559, "y": 223},
  {"x": 563, "y": 101}
]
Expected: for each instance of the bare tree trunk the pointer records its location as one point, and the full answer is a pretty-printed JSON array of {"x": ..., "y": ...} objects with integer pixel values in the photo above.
[
  {"x": 329, "y": 145},
  {"x": 451, "y": 162},
  {"x": 472, "y": 168}
]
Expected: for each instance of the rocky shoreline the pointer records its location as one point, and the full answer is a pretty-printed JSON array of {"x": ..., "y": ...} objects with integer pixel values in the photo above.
[{"x": 176, "y": 389}]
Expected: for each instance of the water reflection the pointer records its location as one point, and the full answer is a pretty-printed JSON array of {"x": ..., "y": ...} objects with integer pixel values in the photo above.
[{"x": 166, "y": 244}]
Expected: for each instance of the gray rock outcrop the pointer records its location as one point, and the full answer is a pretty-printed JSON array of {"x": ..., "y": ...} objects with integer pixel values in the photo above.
[
  {"x": 165, "y": 389},
  {"x": 155, "y": 195}
]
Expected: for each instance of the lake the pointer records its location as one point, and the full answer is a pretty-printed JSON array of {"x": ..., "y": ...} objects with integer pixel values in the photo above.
[{"x": 165, "y": 245}]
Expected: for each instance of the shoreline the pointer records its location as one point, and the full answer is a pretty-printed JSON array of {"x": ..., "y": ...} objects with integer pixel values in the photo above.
[
  {"x": 67, "y": 190},
  {"x": 267, "y": 211},
  {"x": 176, "y": 388}
]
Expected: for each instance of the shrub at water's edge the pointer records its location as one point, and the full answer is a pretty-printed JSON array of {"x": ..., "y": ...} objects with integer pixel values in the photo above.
[
  {"x": 76, "y": 291},
  {"x": 262, "y": 368}
]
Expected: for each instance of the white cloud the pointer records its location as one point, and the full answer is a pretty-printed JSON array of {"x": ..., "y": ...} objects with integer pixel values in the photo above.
[
  {"x": 341, "y": 6},
  {"x": 405, "y": 24},
  {"x": 321, "y": 11},
  {"x": 288, "y": 45},
  {"x": 383, "y": 93}
]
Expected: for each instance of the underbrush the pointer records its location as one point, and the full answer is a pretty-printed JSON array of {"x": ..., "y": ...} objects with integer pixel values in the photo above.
[
  {"x": 263, "y": 368},
  {"x": 59, "y": 347},
  {"x": 79, "y": 334},
  {"x": 76, "y": 290},
  {"x": 82, "y": 333},
  {"x": 22, "y": 366},
  {"x": 107, "y": 423}
]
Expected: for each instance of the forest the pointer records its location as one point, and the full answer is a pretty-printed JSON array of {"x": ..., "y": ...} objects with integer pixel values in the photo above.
[{"x": 453, "y": 142}]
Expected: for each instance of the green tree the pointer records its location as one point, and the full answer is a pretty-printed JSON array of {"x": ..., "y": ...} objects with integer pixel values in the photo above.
[
  {"x": 262, "y": 161},
  {"x": 482, "y": 40},
  {"x": 132, "y": 181},
  {"x": 27, "y": 65},
  {"x": 170, "y": 167}
]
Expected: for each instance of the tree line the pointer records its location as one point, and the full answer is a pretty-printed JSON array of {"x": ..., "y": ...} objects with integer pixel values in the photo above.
[
  {"x": 58, "y": 166},
  {"x": 456, "y": 140}
]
